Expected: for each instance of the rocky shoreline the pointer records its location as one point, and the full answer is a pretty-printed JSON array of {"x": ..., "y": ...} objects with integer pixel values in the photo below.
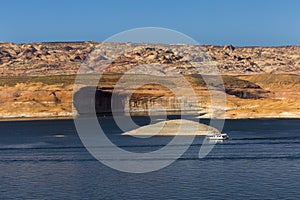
[{"x": 12, "y": 119}]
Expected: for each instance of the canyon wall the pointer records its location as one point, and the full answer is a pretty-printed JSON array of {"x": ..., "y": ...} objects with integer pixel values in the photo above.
[{"x": 37, "y": 79}]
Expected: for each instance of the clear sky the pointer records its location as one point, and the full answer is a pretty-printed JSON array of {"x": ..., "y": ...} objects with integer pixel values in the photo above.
[{"x": 239, "y": 22}]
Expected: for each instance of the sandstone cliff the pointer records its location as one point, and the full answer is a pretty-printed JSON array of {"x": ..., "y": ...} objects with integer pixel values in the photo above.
[{"x": 36, "y": 80}]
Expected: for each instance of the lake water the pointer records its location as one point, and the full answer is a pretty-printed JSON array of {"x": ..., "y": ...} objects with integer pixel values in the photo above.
[{"x": 46, "y": 160}]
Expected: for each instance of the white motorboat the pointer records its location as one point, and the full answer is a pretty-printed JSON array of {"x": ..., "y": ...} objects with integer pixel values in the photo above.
[{"x": 218, "y": 136}]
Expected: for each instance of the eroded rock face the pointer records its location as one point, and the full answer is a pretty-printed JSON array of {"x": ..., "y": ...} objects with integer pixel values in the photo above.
[
  {"x": 259, "y": 81},
  {"x": 165, "y": 59},
  {"x": 38, "y": 59},
  {"x": 61, "y": 58},
  {"x": 261, "y": 95},
  {"x": 250, "y": 60}
]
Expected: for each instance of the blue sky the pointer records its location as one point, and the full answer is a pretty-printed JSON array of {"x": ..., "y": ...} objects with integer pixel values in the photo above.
[{"x": 241, "y": 23}]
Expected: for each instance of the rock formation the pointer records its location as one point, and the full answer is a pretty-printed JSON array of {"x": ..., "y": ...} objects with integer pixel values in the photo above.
[
  {"x": 172, "y": 128},
  {"x": 36, "y": 79},
  {"x": 64, "y": 58}
]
